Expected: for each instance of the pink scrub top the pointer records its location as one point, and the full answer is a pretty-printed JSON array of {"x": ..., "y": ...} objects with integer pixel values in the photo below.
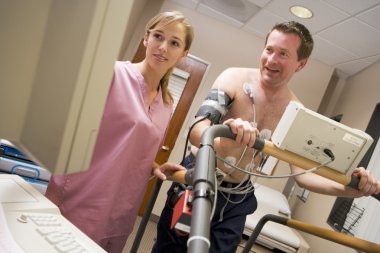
[{"x": 104, "y": 200}]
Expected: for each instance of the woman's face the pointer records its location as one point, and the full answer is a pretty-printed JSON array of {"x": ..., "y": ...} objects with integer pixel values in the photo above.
[{"x": 165, "y": 46}]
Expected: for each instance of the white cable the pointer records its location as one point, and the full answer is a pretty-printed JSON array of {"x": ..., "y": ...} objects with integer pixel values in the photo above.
[
  {"x": 270, "y": 177},
  {"x": 248, "y": 188},
  {"x": 233, "y": 202},
  {"x": 240, "y": 191},
  {"x": 215, "y": 198},
  {"x": 241, "y": 157}
]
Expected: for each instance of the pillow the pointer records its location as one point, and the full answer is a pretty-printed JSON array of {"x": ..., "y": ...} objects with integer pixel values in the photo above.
[{"x": 272, "y": 199}]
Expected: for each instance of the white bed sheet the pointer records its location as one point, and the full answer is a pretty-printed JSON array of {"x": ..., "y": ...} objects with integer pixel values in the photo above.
[{"x": 273, "y": 235}]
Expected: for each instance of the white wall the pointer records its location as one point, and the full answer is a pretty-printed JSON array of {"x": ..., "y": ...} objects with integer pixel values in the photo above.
[
  {"x": 55, "y": 90},
  {"x": 361, "y": 94},
  {"x": 22, "y": 26},
  {"x": 57, "y": 61}
]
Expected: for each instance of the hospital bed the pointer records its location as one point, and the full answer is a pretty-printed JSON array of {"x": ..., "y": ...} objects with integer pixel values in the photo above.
[{"x": 274, "y": 235}]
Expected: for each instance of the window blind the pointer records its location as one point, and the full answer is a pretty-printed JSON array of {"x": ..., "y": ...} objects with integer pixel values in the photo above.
[{"x": 177, "y": 83}]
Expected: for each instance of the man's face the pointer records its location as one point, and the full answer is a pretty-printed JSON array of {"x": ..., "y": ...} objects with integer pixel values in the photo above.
[{"x": 279, "y": 59}]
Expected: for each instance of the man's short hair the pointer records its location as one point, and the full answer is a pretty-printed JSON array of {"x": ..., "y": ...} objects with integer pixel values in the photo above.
[{"x": 293, "y": 27}]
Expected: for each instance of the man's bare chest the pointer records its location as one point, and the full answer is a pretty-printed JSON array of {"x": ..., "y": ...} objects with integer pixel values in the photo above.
[{"x": 260, "y": 115}]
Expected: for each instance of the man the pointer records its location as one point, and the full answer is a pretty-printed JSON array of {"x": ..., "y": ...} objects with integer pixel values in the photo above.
[{"x": 251, "y": 102}]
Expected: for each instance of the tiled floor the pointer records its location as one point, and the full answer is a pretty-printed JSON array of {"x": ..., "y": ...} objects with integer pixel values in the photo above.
[{"x": 147, "y": 240}]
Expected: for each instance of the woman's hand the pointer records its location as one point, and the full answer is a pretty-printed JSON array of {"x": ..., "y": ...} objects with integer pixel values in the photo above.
[{"x": 165, "y": 170}]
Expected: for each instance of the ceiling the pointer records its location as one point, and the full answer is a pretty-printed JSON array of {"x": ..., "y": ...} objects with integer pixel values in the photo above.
[{"x": 346, "y": 32}]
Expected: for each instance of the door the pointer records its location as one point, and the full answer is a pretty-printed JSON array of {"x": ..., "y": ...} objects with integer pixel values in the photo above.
[{"x": 196, "y": 70}]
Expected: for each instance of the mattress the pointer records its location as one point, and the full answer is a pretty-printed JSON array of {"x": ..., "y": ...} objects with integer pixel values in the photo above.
[{"x": 273, "y": 235}]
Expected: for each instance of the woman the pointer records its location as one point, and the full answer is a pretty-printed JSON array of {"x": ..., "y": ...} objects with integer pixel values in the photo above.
[{"x": 104, "y": 200}]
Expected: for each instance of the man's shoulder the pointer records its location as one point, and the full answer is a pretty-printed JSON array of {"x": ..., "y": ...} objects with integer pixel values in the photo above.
[
  {"x": 239, "y": 72},
  {"x": 234, "y": 77},
  {"x": 241, "y": 69}
]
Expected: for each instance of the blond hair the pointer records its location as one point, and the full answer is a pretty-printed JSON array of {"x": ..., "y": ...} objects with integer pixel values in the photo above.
[{"x": 163, "y": 19}]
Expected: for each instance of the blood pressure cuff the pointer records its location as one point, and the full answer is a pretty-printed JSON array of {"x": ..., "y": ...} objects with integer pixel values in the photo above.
[{"x": 215, "y": 105}]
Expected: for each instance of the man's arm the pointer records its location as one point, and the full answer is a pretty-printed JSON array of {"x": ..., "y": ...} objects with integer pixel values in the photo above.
[
  {"x": 226, "y": 84},
  {"x": 368, "y": 185}
]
